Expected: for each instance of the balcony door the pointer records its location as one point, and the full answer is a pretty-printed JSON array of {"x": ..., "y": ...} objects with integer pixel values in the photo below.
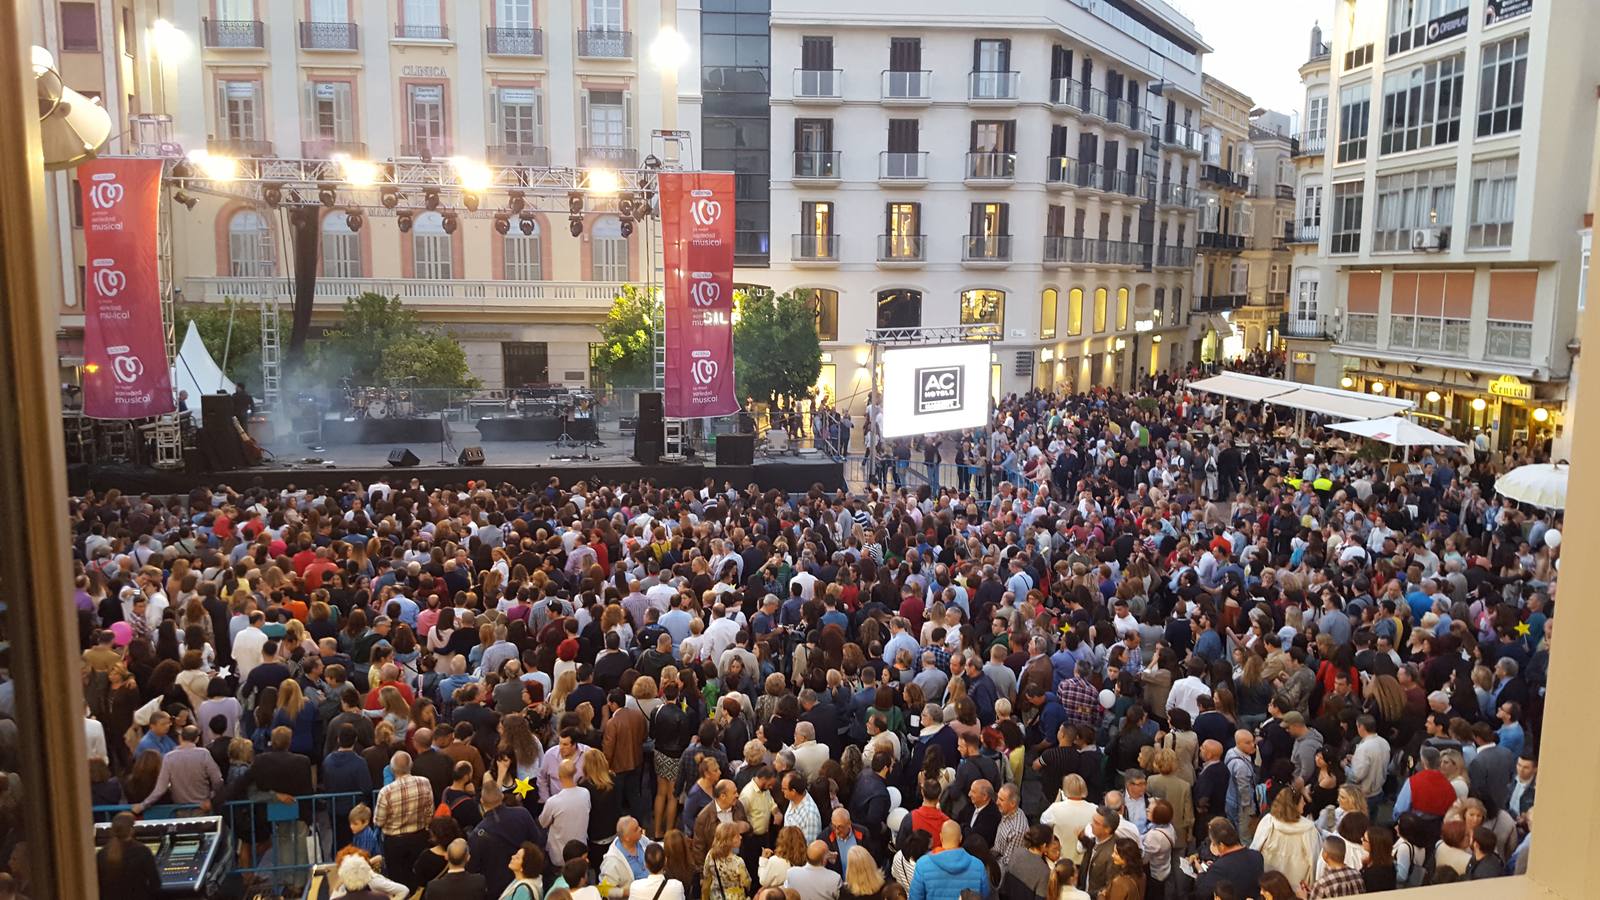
[
  {"x": 425, "y": 128},
  {"x": 235, "y": 10},
  {"x": 605, "y": 15},
  {"x": 988, "y": 226},
  {"x": 991, "y": 55},
  {"x": 518, "y": 113},
  {"x": 420, "y": 14},
  {"x": 330, "y": 11},
  {"x": 517, "y": 14},
  {"x": 813, "y": 148},
  {"x": 239, "y": 110},
  {"x": 902, "y": 230}
]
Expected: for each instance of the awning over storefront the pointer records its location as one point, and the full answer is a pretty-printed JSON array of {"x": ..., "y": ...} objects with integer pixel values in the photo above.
[{"x": 1340, "y": 404}]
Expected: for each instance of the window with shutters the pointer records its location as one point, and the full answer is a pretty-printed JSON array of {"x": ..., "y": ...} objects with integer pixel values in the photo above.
[
  {"x": 1316, "y": 119},
  {"x": 1311, "y": 207},
  {"x": 991, "y": 55},
  {"x": 516, "y": 115},
  {"x": 80, "y": 29},
  {"x": 341, "y": 248},
  {"x": 1501, "y": 82},
  {"x": 608, "y": 250},
  {"x": 903, "y": 231},
  {"x": 250, "y": 252},
  {"x": 1355, "y": 107},
  {"x": 332, "y": 116},
  {"x": 1422, "y": 106},
  {"x": 825, "y": 303},
  {"x": 1305, "y": 297},
  {"x": 239, "y": 110},
  {"x": 433, "y": 256},
  {"x": 523, "y": 254},
  {"x": 816, "y": 53},
  {"x": 1494, "y": 202},
  {"x": 425, "y": 118},
  {"x": 607, "y": 124}
]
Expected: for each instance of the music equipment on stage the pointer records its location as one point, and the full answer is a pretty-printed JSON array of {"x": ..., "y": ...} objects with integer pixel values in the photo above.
[
  {"x": 652, "y": 408},
  {"x": 193, "y": 855},
  {"x": 650, "y": 428},
  {"x": 736, "y": 449},
  {"x": 646, "y": 453},
  {"x": 252, "y": 450},
  {"x": 402, "y": 458},
  {"x": 470, "y": 456},
  {"x": 216, "y": 410}
]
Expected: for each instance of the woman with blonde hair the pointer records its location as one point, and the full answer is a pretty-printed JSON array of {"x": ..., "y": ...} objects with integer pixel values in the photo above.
[
  {"x": 724, "y": 876},
  {"x": 395, "y": 711},
  {"x": 863, "y": 879},
  {"x": 299, "y": 715},
  {"x": 644, "y": 695},
  {"x": 566, "y": 683},
  {"x": 789, "y": 853},
  {"x": 1166, "y": 785},
  {"x": 1287, "y": 841}
]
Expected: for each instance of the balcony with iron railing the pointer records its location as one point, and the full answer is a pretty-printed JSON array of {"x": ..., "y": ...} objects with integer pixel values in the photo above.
[
  {"x": 818, "y": 85},
  {"x": 895, "y": 167},
  {"x": 330, "y": 36},
  {"x": 991, "y": 167},
  {"x": 326, "y": 148},
  {"x": 1064, "y": 250},
  {"x": 239, "y": 146},
  {"x": 902, "y": 248},
  {"x": 1206, "y": 303},
  {"x": 234, "y": 34},
  {"x": 1224, "y": 178},
  {"x": 986, "y": 248},
  {"x": 906, "y": 87},
  {"x": 816, "y": 165},
  {"x": 418, "y": 31},
  {"x": 1217, "y": 240},
  {"x": 1304, "y": 232},
  {"x": 514, "y": 41},
  {"x": 1174, "y": 258},
  {"x": 1316, "y": 328},
  {"x": 533, "y": 155},
  {"x": 816, "y": 248},
  {"x": 992, "y": 87},
  {"x": 1311, "y": 143},
  {"x": 615, "y": 157},
  {"x": 604, "y": 43},
  {"x": 1282, "y": 191},
  {"x": 429, "y": 296},
  {"x": 426, "y": 149}
]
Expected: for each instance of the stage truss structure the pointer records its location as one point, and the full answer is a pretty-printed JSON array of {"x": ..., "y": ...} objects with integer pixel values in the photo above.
[{"x": 879, "y": 338}]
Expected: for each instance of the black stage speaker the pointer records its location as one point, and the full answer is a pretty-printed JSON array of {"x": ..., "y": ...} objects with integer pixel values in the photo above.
[
  {"x": 401, "y": 458},
  {"x": 736, "y": 449},
  {"x": 215, "y": 411},
  {"x": 652, "y": 409},
  {"x": 471, "y": 456},
  {"x": 646, "y": 453}
]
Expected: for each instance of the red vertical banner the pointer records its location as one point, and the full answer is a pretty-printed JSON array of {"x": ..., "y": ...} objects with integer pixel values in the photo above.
[
  {"x": 697, "y": 232},
  {"x": 126, "y": 371}
]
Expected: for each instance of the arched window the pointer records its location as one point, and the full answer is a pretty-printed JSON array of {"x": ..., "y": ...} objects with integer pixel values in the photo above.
[
  {"x": 1047, "y": 313},
  {"x": 1099, "y": 310},
  {"x": 826, "y": 304},
  {"x": 250, "y": 253},
  {"x": 1075, "y": 311},
  {"x": 432, "y": 258},
  {"x": 899, "y": 308},
  {"x": 608, "y": 250},
  {"x": 984, "y": 307},
  {"x": 341, "y": 247},
  {"x": 524, "y": 256},
  {"x": 1122, "y": 309}
]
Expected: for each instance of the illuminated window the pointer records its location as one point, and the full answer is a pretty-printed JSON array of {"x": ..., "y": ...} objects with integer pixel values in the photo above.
[
  {"x": 1122, "y": 309},
  {"x": 1075, "y": 311},
  {"x": 1099, "y": 310},
  {"x": 984, "y": 307},
  {"x": 1047, "y": 313}
]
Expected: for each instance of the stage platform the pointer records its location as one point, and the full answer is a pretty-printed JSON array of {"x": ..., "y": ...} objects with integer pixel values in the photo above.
[
  {"x": 529, "y": 428},
  {"x": 521, "y": 463},
  {"x": 382, "y": 431}
]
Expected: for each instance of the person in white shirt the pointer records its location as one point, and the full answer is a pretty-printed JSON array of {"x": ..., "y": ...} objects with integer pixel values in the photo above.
[
  {"x": 247, "y": 646},
  {"x": 94, "y": 735},
  {"x": 809, "y": 754},
  {"x": 1069, "y": 816},
  {"x": 656, "y": 885},
  {"x": 1187, "y": 691}
]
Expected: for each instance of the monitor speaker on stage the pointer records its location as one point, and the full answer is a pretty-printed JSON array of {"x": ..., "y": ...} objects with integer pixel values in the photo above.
[
  {"x": 736, "y": 449},
  {"x": 401, "y": 458},
  {"x": 471, "y": 456}
]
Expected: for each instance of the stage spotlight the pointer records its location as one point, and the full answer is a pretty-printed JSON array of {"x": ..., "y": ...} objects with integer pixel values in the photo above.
[
  {"x": 604, "y": 182},
  {"x": 181, "y": 169},
  {"x": 470, "y": 201},
  {"x": 430, "y": 198},
  {"x": 353, "y": 219},
  {"x": 449, "y": 222},
  {"x": 389, "y": 197},
  {"x": 327, "y": 195},
  {"x": 575, "y": 225},
  {"x": 575, "y": 202},
  {"x": 404, "y": 221},
  {"x": 358, "y": 172},
  {"x": 625, "y": 204},
  {"x": 626, "y": 227},
  {"x": 475, "y": 177},
  {"x": 525, "y": 225},
  {"x": 273, "y": 194},
  {"x": 215, "y": 166},
  {"x": 641, "y": 210},
  {"x": 517, "y": 201},
  {"x": 502, "y": 224},
  {"x": 652, "y": 162},
  {"x": 187, "y": 201}
]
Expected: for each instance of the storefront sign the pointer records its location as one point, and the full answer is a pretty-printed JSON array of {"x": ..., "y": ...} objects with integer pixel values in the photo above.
[
  {"x": 1305, "y": 357},
  {"x": 122, "y": 336},
  {"x": 424, "y": 72},
  {"x": 697, "y": 229},
  {"x": 1446, "y": 27},
  {"x": 1510, "y": 387},
  {"x": 1495, "y": 11}
]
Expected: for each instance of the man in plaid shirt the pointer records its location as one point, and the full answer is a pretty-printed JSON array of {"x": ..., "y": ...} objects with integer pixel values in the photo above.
[
  {"x": 1339, "y": 880},
  {"x": 1079, "y": 698},
  {"x": 402, "y": 812}
]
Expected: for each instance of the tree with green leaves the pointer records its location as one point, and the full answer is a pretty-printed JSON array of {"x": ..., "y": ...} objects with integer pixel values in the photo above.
[
  {"x": 231, "y": 332},
  {"x": 379, "y": 341},
  {"x": 776, "y": 351},
  {"x": 626, "y": 352}
]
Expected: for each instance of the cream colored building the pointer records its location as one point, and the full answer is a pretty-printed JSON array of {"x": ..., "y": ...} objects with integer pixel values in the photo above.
[
  {"x": 1266, "y": 250},
  {"x": 529, "y": 82},
  {"x": 1227, "y": 169}
]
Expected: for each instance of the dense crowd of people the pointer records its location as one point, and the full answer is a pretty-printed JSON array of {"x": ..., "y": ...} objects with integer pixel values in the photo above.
[{"x": 1169, "y": 653}]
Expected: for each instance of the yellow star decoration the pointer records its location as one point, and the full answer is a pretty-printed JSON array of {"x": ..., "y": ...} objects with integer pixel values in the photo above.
[
  {"x": 1523, "y": 629},
  {"x": 523, "y": 789}
]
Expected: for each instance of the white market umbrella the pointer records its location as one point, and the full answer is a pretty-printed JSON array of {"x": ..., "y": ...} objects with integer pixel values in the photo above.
[
  {"x": 1398, "y": 432},
  {"x": 1541, "y": 484}
]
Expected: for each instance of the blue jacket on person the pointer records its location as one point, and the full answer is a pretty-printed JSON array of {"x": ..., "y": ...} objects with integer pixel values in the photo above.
[
  {"x": 983, "y": 694},
  {"x": 944, "y": 875}
]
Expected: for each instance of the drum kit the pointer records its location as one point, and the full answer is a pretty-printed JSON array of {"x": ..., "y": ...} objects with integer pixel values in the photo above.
[{"x": 373, "y": 402}]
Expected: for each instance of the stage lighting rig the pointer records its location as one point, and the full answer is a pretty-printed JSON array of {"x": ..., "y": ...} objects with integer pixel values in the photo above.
[
  {"x": 517, "y": 201},
  {"x": 187, "y": 201},
  {"x": 389, "y": 197},
  {"x": 575, "y": 225},
  {"x": 525, "y": 225},
  {"x": 470, "y": 201},
  {"x": 404, "y": 221},
  {"x": 575, "y": 202},
  {"x": 626, "y": 227},
  {"x": 449, "y": 222},
  {"x": 353, "y": 219},
  {"x": 327, "y": 194},
  {"x": 272, "y": 194},
  {"x": 502, "y": 224},
  {"x": 430, "y": 198}
]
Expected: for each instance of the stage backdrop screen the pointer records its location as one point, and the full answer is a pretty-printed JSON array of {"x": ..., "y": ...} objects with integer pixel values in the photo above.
[{"x": 932, "y": 389}]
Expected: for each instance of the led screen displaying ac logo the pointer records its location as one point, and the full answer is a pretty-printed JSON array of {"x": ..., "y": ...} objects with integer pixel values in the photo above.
[{"x": 939, "y": 389}]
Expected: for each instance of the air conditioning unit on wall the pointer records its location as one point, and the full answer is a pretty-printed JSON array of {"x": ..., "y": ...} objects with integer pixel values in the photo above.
[{"x": 1429, "y": 240}]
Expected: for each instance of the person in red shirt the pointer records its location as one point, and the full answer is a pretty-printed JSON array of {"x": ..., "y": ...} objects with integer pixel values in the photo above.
[
  {"x": 929, "y": 817},
  {"x": 389, "y": 676},
  {"x": 320, "y": 568},
  {"x": 306, "y": 555}
]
